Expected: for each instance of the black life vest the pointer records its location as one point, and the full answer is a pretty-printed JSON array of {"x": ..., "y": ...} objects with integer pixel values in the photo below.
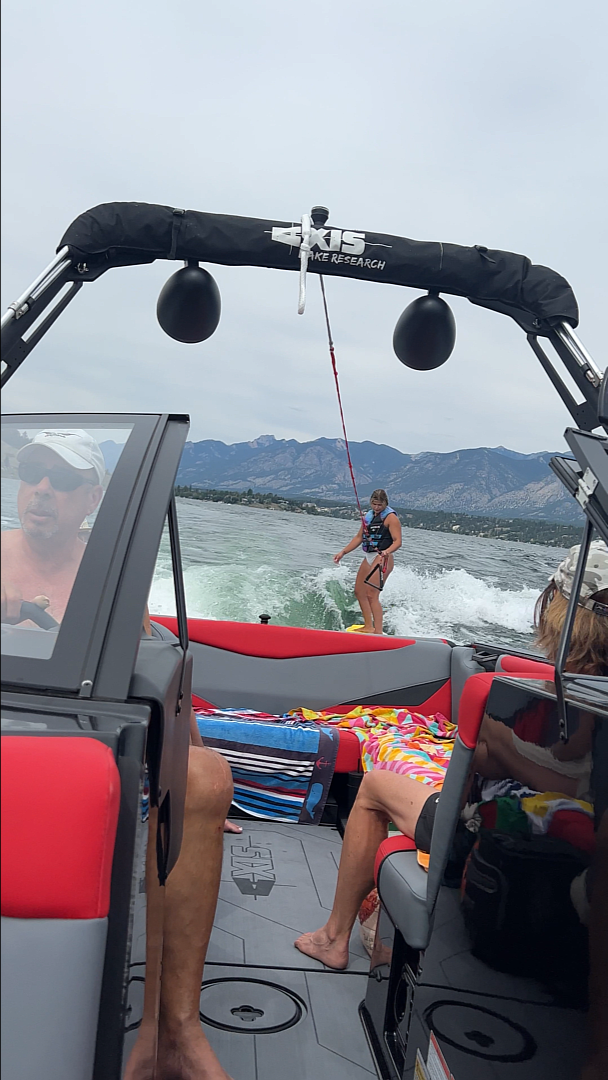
[{"x": 377, "y": 535}]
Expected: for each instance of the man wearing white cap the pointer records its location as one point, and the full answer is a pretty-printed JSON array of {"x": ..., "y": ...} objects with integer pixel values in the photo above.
[{"x": 61, "y": 474}]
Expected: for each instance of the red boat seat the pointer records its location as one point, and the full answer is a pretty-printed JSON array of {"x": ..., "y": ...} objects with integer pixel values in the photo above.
[
  {"x": 519, "y": 665},
  {"x": 348, "y": 758},
  {"x": 280, "y": 642},
  {"x": 60, "y": 801}
]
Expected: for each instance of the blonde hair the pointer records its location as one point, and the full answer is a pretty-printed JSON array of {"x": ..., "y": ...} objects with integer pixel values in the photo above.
[
  {"x": 589, "y": 642},
  {"x": 379, "y": 495}
]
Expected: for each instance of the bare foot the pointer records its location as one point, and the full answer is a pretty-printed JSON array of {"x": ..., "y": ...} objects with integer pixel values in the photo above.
[
  {"x": 230, "y": 826},
  {"x": 188, "y": 1056},
  {"x": 329, "y": 951},
  {"x": 140, "y": 1065}
]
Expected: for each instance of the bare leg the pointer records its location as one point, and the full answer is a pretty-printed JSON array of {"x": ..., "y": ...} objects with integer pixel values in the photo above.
[
  {"x": 142, "y": 1060},
  {"x": 361, "y": 593},
  {"x": 197, "y": 740},
  {"x": 376, "y": 608},
  {"x": 383, "y": 796},
  {"x": 375, "y": 604},
  {"x": 189, "y": 908},
  {"x": 374, "y": 597}
]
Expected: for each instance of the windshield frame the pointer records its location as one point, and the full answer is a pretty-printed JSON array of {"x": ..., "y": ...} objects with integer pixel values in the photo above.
[{"x": 88, "y": 612}]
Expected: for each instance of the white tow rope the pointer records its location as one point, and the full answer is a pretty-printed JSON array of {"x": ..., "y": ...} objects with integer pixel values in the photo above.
[{"x": 304, "y": 254}]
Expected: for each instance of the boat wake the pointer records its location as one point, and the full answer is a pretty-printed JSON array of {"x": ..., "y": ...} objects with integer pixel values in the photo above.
[{"x": 416, "y": 603}]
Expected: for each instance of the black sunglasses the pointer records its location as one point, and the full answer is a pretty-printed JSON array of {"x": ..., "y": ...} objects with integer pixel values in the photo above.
[{"x": 60, "y": 479}]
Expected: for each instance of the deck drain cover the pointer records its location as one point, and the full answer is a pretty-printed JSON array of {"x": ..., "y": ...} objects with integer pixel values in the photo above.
[
  {"x": 480, "y": 1031},
  {"x": 252, "y": 1006}
]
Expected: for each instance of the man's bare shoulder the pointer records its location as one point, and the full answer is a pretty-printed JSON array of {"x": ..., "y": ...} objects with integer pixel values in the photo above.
[{"x": 10, "y": 540}]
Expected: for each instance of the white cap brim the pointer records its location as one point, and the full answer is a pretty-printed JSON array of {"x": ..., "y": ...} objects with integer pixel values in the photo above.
[{"x": 69, "y": 456}]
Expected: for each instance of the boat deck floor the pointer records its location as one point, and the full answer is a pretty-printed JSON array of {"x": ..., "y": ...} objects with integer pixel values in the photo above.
[
  {"x": 496, "y": 1026},
  {"x": 268, "y": 1010}
]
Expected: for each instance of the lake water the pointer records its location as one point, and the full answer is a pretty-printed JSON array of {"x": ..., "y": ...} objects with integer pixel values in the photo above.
[{"x": 240, "y": 562}]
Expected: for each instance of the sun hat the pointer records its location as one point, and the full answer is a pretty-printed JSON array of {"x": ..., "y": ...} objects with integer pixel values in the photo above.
[
  {"x": 595, "y": 577},
  {"x": 76, "y": 447}
]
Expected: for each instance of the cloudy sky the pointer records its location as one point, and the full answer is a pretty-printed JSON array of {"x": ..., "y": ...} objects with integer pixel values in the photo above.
[{"x": 470, "y": 122}]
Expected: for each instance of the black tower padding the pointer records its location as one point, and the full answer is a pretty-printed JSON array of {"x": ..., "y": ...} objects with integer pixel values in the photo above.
[{"x": 126, "y": 234}]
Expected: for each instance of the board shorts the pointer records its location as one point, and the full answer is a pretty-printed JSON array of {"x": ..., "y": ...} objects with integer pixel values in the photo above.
[{"x": 424, "y": 826}]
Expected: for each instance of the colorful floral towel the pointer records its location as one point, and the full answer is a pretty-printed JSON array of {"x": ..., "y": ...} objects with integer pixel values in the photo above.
[{"x": 396, "y": 739}]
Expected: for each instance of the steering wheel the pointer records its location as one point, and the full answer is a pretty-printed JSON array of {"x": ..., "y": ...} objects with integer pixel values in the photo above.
[{"x": 35, "y": 613}]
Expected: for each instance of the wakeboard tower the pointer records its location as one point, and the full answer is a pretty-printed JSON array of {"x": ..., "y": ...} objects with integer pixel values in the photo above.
[{"x": 439, "y": 999}]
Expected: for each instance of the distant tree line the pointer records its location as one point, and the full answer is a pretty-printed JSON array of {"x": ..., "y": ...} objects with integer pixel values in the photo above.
[{"x": 551, "y": 533}]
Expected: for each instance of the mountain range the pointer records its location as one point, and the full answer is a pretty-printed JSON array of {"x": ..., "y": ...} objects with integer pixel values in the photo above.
[{"x": 492, "y": 481}]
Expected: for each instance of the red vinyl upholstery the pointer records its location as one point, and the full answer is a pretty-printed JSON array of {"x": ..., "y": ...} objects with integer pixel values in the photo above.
[
  {"x": 349, "y": 751},
  {"x": 200, "y": 703},
  {"x": 518, "y": 665},
  {"x": 348, "y": 758},
  {"x": 475, "y": 695},
  {"x": 472, "y": 706},
  {"x": 60, "y": 800},
  {"x": 440, "y": 701},
  {"x": 280, "y": 642},
  {"x": 389, "y": 847}
]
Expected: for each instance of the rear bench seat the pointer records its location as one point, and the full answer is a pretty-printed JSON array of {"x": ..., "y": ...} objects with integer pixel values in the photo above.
[
  {"x": 235, "y": 666},
  {"x": 60, "y": 801}
]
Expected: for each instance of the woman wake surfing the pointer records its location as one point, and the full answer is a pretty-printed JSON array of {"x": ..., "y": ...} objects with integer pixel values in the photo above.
[{"x": 380, "y": 536}]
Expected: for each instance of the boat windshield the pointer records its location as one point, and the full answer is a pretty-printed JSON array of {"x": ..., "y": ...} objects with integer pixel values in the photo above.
[{"x": 54, "y": 480}]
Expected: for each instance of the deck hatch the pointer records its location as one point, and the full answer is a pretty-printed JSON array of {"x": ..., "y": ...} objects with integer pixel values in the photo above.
[{"x": 252, "y": 1006}]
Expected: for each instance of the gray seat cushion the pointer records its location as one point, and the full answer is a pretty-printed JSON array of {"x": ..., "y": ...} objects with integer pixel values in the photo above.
[
  {"x": 402, "y": 886},
  {"x": 51, "y": 985},
  {"x": 462, "y": 666}
]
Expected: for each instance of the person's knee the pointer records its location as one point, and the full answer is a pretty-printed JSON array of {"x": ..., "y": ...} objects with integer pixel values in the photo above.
[
  {"x": 377, "y": 791},
  {"x": 370, "y": 790},
  {"x": 209, "y": 790},
  {"x": 365, "y": 785}
]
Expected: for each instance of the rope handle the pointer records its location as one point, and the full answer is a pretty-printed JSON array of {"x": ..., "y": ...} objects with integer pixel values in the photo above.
[{"x": 304, "y": 254}]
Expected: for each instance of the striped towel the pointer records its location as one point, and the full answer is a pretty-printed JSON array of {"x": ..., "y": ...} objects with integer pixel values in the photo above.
[{"x": 281, "y": 771}]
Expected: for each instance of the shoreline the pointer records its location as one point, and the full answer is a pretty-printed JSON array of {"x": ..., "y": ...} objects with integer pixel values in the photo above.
[{"x": 518, "y": 530}]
